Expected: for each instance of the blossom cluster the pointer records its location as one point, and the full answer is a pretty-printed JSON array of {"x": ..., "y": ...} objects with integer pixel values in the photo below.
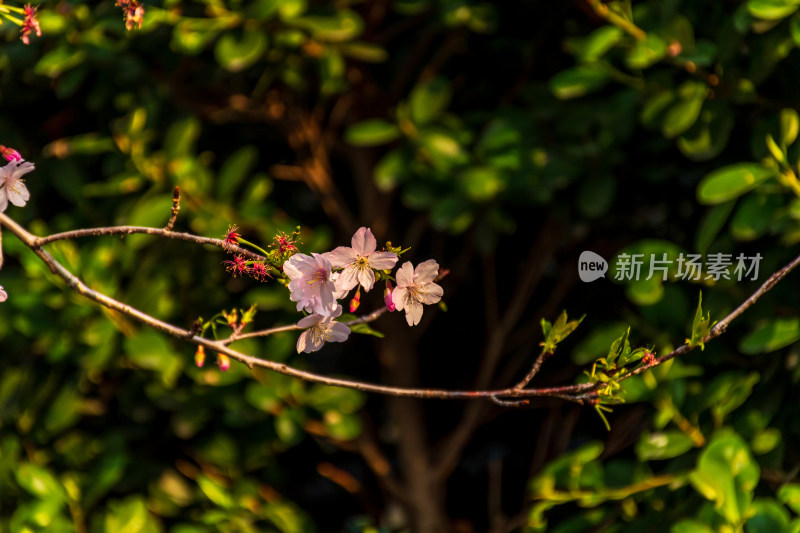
[
  {"x": 318, "y": 281},
  {"x": 12, "y": 186}
]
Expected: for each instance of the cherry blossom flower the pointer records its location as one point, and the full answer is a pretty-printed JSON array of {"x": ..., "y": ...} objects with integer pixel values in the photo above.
[
  {"x": 416, "y": 287},
  {"x": 30, "y": 24},
  {"x": 3, "y": 294},
  {"x": 359, "y": 260},
  {"x": 9, "y": 154},
  {"x": 311, "y": 284},
  {"x": 223, "y": 362},
  {"x": 321, "y": 329},
  {"x": 12, "y": 186}
]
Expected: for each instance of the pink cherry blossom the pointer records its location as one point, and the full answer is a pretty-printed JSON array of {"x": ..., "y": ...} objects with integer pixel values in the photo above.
[
  {"x": 321, "y": 329},
  {"x": 416, "y": 287},
  {"x": 3, "y": 294},
  {"x": 311, "y": 283},
  {"x": 12, "y": 186},
  {"x": 359, "y": 260}
]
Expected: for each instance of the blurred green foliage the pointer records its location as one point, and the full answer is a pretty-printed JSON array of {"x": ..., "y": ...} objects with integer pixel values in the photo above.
[{"x": 655, "y": 127}]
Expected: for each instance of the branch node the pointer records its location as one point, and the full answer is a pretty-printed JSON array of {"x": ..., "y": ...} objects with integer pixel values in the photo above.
[
  {"x": 509, "y": 403},
  {"x": 176, "y": 206}
]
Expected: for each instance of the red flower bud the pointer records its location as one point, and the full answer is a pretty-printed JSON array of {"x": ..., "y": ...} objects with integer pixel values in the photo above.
[
  {"x": 200, "y": 356},
  {"x": 387, "y": 296},
  {"x": 356, "y": 301}
]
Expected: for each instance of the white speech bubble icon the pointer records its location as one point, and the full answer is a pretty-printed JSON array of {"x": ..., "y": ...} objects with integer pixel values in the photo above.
[{"x": 591, "y": 266}]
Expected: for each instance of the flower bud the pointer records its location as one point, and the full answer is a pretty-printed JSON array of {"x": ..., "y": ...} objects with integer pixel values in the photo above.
[
  {"x": 200, "y": 356},
  {"x": 387, "y": 296},
  {"x": 223, "y": 361},
  {"x": 9, "y": 154},
  {"x": 356, "y": 301}
]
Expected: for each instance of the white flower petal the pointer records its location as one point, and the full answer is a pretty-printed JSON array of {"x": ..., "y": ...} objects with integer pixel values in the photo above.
[
  {"x": 339, "y": 332},
  {"x": 405, "y": 275},
  {"x": 18, "y": 193},
  {"x": 310, "y": 320},
  {"x": 430, "y": 293},
  {"x": 302, "y": 341},
  {"x": 382, "y": 260},
  {"x": 366, "y": 278},
  {"x": 363, "y": 241},
  {"x": 3, "y": 199},
  {"x": 413, "y": 312},
  {"x": 348, "y": 278},
  {"x": 426, "y": 272},
  {"x": 341, "y": 256},
  {"x": 399, "y": 297},
  {"x": 4, "y": 297}
]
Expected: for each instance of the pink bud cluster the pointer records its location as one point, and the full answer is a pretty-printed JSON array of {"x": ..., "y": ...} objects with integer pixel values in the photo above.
[
  {"x": 30, "y": 24},
  {"x": 132, "y": 13}
]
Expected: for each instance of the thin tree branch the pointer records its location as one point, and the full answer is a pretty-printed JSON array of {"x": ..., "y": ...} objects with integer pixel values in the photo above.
[
  {"x": 577, "y": 392},
  {"x": 129, "y": 230}
]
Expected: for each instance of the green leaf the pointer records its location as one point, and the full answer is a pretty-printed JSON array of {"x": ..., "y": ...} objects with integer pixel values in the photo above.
[
  {"x": 237, "y": 54},
  {"x": 372, "y": 132},
  {"x": 663, "y": 445},
  {"x": 790, "y": 495},
  {"x": 325, "y": 398},
  {"x": 766, "y": 440},
  {"x": 577, "y": 81},
  {"x": 149, "y": 350},
  {"x": 701, "y": 325},
  {"x": 127, "y": 516},
  {"x": 727, "y": 475},
  {"x": 647, "y": 52},
  {"x": 711, "y": 224},
  {"x": 772, "y": 9},
  {"x": 768, "y": 517},
  {"x": 340, "y": 426},
  {"x": 429, "y": 100},
  {"x": 235, "y": 169},
  {"x": 181, "y": 136},
  {"x": 53, "y": 63},
  {"x": 771, "y": 335},
  {"x": 366, "y": 52},
  {"x": 214, "y": 491},
  {"x": 599, "y": 42},
  {"x": 709, "y": 135},
  {"x": 39, "y": 482},
  {"x": 751, "y": 219},
  {"x": 344, "y": 25},
  {"x": 558, "y": 331},
  {"x": 790, "y": 124},
  {"x": 366, "y": 329},
  {"x": 682, "y": 114},
  {"x": 391, "y": 170},
  {"x": 481, "y": 184},
  {"x": 730, "y": 182},
  {"x": 691, "y": 526},
  {"x": 619, "y": 348}
]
